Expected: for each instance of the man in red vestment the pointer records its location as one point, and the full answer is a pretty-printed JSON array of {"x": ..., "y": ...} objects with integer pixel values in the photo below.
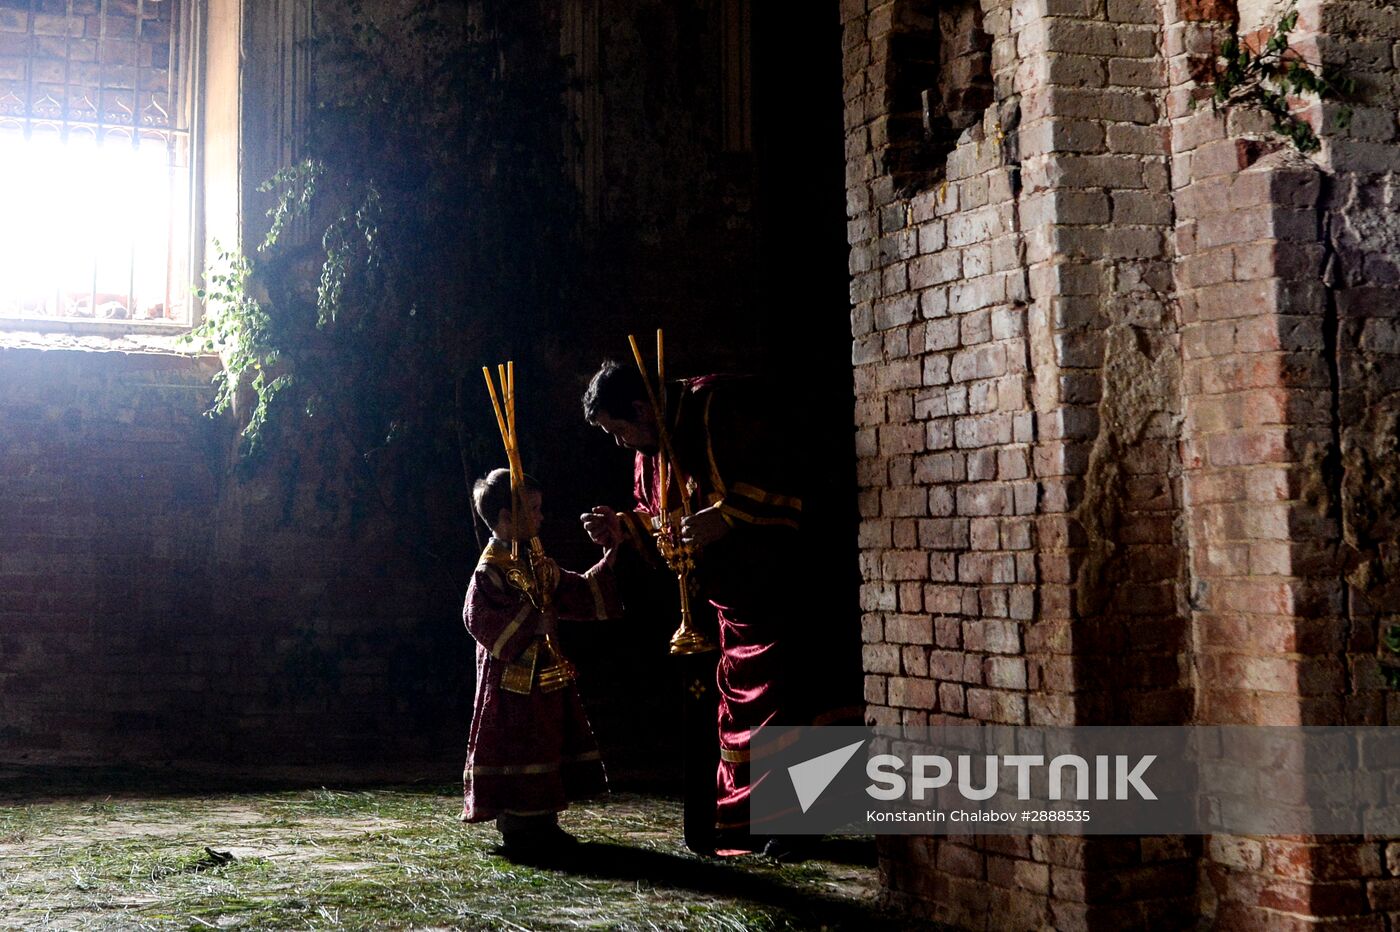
[
  {"x": 743, "y": 472},
  {"x": 531, "y": 750}
]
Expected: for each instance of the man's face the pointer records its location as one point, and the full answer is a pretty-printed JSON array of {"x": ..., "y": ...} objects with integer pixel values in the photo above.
[{"x": 638, "y": 433}]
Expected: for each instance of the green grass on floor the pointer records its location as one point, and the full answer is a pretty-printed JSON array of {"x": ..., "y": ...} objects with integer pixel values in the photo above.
[{"x": 393, "y": 859}]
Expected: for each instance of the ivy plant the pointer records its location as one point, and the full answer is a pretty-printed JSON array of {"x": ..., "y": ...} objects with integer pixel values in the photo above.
[
  {"x": 237, "y": 327},
  {"x": 1390, "y": 670},
  {"x": 1273, "y": 77},
  {"x": 428, "y": 222}
]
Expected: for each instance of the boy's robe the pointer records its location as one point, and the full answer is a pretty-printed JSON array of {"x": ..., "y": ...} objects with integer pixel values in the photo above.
[{"x": 528, "y": 753}]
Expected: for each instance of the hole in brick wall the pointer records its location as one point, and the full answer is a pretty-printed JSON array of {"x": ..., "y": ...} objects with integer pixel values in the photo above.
[
  {"x": 939, "y": 83},
  {"x": 964, "y": 71}
]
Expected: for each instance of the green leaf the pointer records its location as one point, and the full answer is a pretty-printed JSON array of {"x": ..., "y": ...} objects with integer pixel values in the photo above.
[{"x": 1268, "y": 79}]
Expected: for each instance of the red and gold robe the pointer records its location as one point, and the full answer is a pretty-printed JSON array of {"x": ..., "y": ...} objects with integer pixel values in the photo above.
[
  {"x": 529, "y": 753},
  {"x": 739, "y": 451}
]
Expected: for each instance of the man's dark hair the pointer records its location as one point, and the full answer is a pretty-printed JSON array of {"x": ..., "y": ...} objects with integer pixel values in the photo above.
[
  {"x": 612, "y": 391},
  {"x": 491, "y": 494}
]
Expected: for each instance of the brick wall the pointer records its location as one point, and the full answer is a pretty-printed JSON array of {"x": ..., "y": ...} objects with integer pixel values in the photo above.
[
  {"x": 1125, "y": 374},
  {"x": 154, "y": 606},
  {"x": 1358, "y": 582},
  {"x": 1361, "y": 252}
]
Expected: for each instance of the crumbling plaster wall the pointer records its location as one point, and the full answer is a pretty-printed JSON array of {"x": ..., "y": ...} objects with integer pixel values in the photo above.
[
  {"x": 1205, "y": 345},
  {"x": 1357, "y": 201}
]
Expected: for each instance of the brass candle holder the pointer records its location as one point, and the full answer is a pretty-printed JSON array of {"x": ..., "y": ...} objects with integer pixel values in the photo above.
[{"x": 679, "y": 556}]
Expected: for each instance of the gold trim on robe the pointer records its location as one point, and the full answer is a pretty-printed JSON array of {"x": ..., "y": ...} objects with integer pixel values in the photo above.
[
  {"x": 519, "y": 769},
  {"x": 510, "y": 629}
]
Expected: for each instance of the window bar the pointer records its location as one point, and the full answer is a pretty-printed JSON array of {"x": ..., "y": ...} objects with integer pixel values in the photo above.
[
  {"x": 284, "y": 97},
  {"x": 136, "y": 75},
  {"x": 29, "y": 113},
  {"x": 29, "y": 73},
  {"x": 191, "y": 63},
  {"x": 182, "y": 103},
  {"x": 292, "y": 16},
  {"x": 59, "y": 310},
  {"x": 171, "y": 123},
  {"x": 298, "y": 30},
  {"x": 101, "y": 139},
  {"x": 169, "y": 240},
  {"x": 67, "y": 71}
]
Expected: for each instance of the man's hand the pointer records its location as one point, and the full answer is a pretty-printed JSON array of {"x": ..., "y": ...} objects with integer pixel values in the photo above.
[
  {"x": 704, "y": 527},
  {"x": 603, "y": 526}
]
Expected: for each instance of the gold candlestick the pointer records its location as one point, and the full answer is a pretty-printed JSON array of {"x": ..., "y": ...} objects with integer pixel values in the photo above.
[{"x": 679, "y": 556}]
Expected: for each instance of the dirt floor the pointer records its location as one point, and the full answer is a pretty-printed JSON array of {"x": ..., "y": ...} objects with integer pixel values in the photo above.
[{"x": 190, "y": 856}]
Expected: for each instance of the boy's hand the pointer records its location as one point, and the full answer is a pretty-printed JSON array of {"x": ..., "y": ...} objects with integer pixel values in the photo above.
[{"x": 603, "y": 526}]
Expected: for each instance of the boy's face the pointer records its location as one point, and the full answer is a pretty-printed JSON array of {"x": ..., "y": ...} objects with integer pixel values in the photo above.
[{"x": 531, "y": 517}]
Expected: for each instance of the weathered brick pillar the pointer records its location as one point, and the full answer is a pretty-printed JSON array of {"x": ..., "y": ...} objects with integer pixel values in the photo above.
[
  {"x": 1017, "y": 382},
  {"x": 939, "y": 296},
  {"x": 1266, "y": 368},
  {"x": 1109, "y": 640}
]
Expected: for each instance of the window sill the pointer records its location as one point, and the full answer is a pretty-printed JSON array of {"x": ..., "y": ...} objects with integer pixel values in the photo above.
[{"x": 124, "y": 336}]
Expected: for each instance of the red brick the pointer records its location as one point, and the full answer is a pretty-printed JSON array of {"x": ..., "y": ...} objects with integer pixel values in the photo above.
[
  {"x": 908, "y": 629},
  {"x": 1384, "y": 895},
  {"x": 911, "y": 692},
  {"x": 960, "y": 861},
  {"x": 950, "y": 698},
  {"x": 1308, "y": 860}
]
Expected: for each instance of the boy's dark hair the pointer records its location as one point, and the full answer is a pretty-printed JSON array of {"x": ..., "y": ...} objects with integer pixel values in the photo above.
[
  {"x": 612, "y": 391},
  {"x": 491, "y": 494}
]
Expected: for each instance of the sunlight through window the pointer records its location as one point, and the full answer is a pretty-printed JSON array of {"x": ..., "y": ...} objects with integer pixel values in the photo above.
[{"x": 94, "y": 162}]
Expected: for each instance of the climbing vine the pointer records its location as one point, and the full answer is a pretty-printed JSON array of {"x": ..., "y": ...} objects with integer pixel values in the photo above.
[
  {"x": 1390, "y": 667},
  {"x": 237, "y": 327},
  {"x": 429, "y": 214},
  {"x": 1273, "y": 77}
]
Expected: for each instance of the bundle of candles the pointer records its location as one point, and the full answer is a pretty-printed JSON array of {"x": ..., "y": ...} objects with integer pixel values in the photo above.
[{"x": 537, "y": 582}]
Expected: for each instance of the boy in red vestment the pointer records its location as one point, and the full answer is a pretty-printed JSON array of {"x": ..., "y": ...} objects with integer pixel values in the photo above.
[{"x": 531, "y": 750}]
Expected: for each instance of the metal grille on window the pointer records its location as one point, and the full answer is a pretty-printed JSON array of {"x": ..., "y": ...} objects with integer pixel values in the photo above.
[{"x": 95, "y": 155}]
